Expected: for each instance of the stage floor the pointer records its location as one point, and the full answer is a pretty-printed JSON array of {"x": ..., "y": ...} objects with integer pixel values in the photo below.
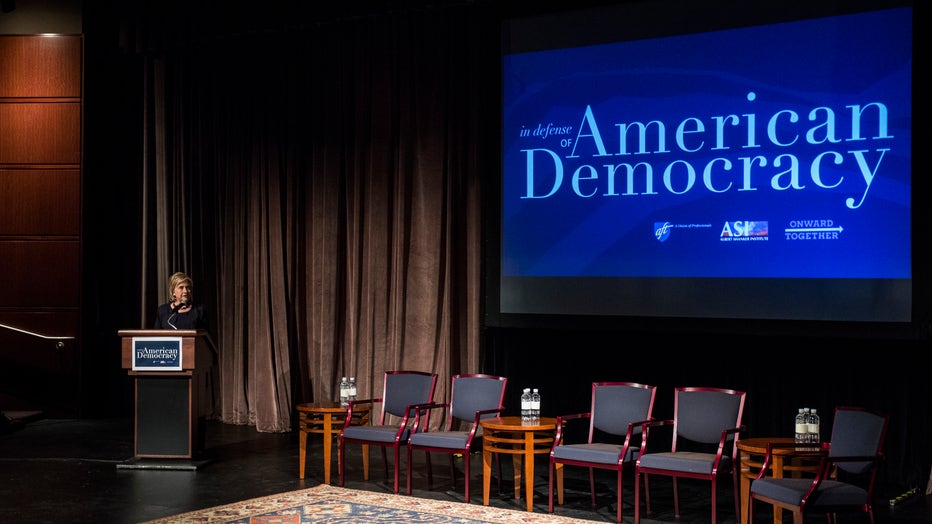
[{"x": 70, "y": 471}]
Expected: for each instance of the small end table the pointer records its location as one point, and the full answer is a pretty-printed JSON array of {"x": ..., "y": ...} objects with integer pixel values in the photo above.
[
  {"x": 521, "y": 440},
  {"x": 327, "y": 419},
  {"x": 751, "y": 454}
]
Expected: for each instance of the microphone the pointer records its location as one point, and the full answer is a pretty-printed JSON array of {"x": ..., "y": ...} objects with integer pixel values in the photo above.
[{"x": 180, "y": 305}]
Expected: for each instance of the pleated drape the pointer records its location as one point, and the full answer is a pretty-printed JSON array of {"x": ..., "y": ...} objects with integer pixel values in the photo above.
[{"x": 323, "y": 188}]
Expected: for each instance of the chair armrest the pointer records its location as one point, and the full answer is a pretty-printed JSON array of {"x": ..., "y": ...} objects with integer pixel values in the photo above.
[
  {"x": 561, "y": 425},
  {"x": 479, "y": 414},
  {"x": 813, "y": 451},
  {"x": 653, "y": 423},
  {"x": 352, "y": 405},
  {"x": 645, "y": 431},
  {"x": 728, "y": 435},
  {"x": 482, "y": 412},
  {"x": 637, "y": 425},
  {"x": 423, "y": 409}
]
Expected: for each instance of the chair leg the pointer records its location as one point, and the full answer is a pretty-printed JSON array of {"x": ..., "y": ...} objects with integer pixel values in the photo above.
[
  {"x": 620, "y": 485},
  {"x": 430, "y": 470},
  {"x": 465, "y": 475},
  {"x": 736, "y": 491},
  {"x": 646, "y": 493},
  {"x": 397, "y": 466},
  {"x": 550, "y": 486},
  {"x": 453, "y": 470},
  {"x": 408, "y": 471},
  {"x": 715, "y": 503},
  {"x": 385, "y": 460},
  {"x": 637, "y": 496},
  {"x": 592, "y": 486},
  {"x": 676, "y": 500},
  {"x": 340, "y": 459}
]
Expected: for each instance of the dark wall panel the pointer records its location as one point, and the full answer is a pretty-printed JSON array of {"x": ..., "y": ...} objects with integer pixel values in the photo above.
[
  {"x": 40, "y": 133},
  {"x": 40, "y": 202},
  {"x": 41, "y": 157},
  {"x": 40, "y": 67},
  {"x": 40, "y": 273}
]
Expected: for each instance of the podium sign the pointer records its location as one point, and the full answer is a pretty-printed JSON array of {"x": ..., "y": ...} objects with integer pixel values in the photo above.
[
  {"x": 169, "y": 370},
  {"x": 157, "y": 354}
]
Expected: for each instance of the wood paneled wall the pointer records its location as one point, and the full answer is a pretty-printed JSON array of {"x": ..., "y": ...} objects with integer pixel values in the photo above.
[{"x": 41, "y": 169}]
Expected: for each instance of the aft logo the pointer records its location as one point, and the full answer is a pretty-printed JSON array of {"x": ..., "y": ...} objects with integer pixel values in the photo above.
[
  {"x": 662, "y": 231},
  {"x": 745, "y": 230}
]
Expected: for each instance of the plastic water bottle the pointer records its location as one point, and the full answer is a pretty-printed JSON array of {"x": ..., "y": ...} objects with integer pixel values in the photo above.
[
  {"x": 802, "y": 427},
  {"x": 815, "y": 436},
  {"x": 352, "y": 389},
  {"x": 535, "y": 404},
  {"x": 526, "y": 405},
  {"x": 344, "y": 392}
]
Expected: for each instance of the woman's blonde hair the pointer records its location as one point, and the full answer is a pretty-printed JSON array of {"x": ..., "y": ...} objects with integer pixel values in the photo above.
[{"x": 176, "y": 279}]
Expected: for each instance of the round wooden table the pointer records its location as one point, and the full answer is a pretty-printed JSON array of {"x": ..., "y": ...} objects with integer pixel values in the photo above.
[
  {"x": 327, "y": 419},
  {"x": 521, "y": 440},
  {"x": 751, "y": 453}
]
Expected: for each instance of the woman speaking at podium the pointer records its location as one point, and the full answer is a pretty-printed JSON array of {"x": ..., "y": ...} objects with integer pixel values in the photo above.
[{"x": 180, "y": 312}]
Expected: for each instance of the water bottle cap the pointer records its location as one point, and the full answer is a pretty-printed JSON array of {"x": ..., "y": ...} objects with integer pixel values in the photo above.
[{"x": 535, "y": 390}]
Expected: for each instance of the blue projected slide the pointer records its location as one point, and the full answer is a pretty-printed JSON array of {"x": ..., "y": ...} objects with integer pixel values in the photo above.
[
  {"x": 769, "y": 151},
  {"x": 758, "y": 170}
]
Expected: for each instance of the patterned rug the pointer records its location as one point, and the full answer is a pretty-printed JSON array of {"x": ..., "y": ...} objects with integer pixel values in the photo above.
[{"x": 326, "y": 504}]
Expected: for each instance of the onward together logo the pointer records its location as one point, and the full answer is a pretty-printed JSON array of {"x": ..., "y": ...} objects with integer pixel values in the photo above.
[
  {"x": 819, "y": 229},
  {"x": 745, "y": 230}
]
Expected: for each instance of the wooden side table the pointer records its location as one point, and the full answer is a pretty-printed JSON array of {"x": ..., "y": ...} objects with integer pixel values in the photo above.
[
  {"x": 751, "y": 453},
  {"x": 327, "y": 419},
  {"x": 521, "y": 440}
]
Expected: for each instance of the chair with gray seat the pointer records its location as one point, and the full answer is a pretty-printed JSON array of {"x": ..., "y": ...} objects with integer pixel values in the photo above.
[
  {"x": 845, "y": 475},
  {"x": 615, "y": 416},
  {"x": 705, "y": 429},
  {"x": 400, "y": 391},
  {"x": 473, "y": 397}
]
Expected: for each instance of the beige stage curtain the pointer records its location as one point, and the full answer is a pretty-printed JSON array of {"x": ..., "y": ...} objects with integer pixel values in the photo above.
[{"x": 323, "y": 187}]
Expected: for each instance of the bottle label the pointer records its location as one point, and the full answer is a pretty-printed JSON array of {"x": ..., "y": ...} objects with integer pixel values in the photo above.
[{"x": 802, "y": 428}]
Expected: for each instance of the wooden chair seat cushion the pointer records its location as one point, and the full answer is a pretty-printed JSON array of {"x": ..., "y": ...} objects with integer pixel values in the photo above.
[
  {"x": 684, "y": 461},
  {"x": 599, "y": 453},
  {"x": 440, "y": 439},
  {"x": 386, "y": 433},
  {"x": 791, "y": 491}
]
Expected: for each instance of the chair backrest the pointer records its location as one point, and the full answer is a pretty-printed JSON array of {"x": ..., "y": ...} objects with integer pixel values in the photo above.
[
  {"x": 475, "y": 392},
  {"x": 617, "y": 404},
  {"x": 857, "y": 432},
  {"x": 405, "y": 388},
  {"x": 701, "y": 413}
]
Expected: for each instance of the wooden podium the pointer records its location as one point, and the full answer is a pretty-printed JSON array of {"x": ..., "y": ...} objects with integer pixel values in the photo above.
[{"x": 171, "y": 403}]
